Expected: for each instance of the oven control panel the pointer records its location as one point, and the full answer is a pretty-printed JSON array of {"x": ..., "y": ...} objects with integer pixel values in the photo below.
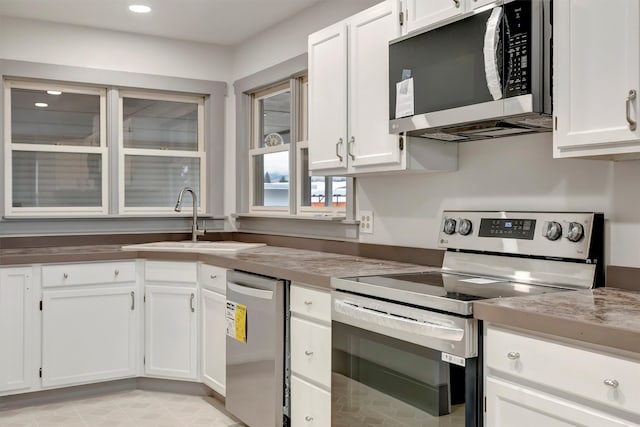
[{"x": 547, "y": 234}]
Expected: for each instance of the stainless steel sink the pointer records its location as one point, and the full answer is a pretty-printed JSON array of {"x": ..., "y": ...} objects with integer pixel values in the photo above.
[{"x": 188, "y": 246}]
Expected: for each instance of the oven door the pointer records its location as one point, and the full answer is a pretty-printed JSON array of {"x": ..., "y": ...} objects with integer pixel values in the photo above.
[{"x": 379, "y": 379}]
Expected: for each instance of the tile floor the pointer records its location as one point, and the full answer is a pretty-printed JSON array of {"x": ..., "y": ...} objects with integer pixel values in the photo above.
[{"x": 134, "y": 408}]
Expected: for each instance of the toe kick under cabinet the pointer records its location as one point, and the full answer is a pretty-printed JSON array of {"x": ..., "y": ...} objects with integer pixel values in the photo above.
[
  {"x": 310, "y": 357},
  {"x": 89, "y": 322},
  {"x": 537, "y": 381}
]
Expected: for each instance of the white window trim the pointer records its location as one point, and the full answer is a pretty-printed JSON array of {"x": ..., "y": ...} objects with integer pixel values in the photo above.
[
  {"x": 9, "y": 147},
  {"x": 311, "y": 210},
  {"x": 258, "y": 151},
  {"x": 122, "y": 152}
]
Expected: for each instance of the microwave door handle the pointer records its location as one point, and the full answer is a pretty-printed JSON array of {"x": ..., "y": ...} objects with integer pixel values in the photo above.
[
  {"x": 491, "y": 42},
  {"x": 427, "y": 329}
]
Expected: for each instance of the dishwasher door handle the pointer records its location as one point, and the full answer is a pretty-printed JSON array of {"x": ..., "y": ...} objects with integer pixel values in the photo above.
[{"x": 252, "y": 292}]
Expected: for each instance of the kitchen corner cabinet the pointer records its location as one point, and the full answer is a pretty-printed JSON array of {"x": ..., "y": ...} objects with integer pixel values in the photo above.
[
  {"x": 171, "y": 320},
  {"x": 89, "y": 322},
  {"x": 213, "y": 282},
  {"x": 17, "y": 304},
  {"x": 348, "y": 94},
  {"x": 310, "y": 356},
  {"x": 582, "y": 386},
  {"x": 596, "y": 79},
  {"x": 423, "y": 13}
]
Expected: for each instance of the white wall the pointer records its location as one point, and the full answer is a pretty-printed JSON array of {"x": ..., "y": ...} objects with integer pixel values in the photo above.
[
  {"x": 38, "y": 41},
  {"x": 510, "y": 174}
]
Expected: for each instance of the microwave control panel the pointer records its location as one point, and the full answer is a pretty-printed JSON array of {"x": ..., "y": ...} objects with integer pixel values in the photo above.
[{"x": 517, "y": 30}]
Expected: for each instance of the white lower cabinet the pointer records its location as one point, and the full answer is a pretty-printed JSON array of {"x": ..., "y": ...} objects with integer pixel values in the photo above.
[
  {"x": 171, "y": 320},
  {"x": 536, "y": 381},
  {"x": 17, "y": 304},
  {"x": 89, "y": 330},
  {"x": 213, "y": 327},
  {"x": 310, "y": 357}
]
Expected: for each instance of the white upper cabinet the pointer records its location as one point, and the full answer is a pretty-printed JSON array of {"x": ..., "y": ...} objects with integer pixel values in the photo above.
[
  {"x": 596, "y": 78},
  {"x": 348, "y": 93},
  {"x": 422, "y": 13}
]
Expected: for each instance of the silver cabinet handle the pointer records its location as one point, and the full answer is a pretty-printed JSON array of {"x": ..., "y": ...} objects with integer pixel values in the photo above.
[
  {"x": 338, "y": 144},
  {"x": 457, "y": 2},
  {"x": 115, "y": 273},
  {"x": 308, "y": 418},
  {"x": 630, "y": 98},
  {"x": 213, "y": 276},
  {"x": 308, "y": 353},
  {"x": 307, "y": 302},
  {"x": 611, "y": 383},
  {"x": 65, "y": 275},
  {"x": 133, "y": 300},
  {"x": 193, "y": 296},
  {"x": 512, "y": 355},
  {"x": 352, "y": 141}
]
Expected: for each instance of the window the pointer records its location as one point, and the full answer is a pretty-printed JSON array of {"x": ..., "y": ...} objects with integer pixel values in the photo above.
[
  {"x": 278, "y": 147},
  {"x": 58, "y": 162},
  {"x": 162, "y": 150},
  {"x": 55, "y": 149}
]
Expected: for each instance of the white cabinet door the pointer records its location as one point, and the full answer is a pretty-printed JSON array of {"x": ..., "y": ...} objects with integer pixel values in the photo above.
[
  {"x": 510, "y": 405},
  {"x": 16, "y": 329},
  {"x": 88, "y": 334},
  {"x": 421, "y": 13},
  {"x": 596, "y": 65},
  {"x": 213, "y": 328},
  {"x": 310, "y": 405},
  {"x": 171, "y": 332},
  {"x": 328, "y": 98},
  {"x": 369, "y": 34}
]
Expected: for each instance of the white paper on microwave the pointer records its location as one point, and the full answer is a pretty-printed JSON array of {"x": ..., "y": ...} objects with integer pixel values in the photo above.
[
  {"x": 491, "y": 40},
  {"x": 404, "y": 98}
]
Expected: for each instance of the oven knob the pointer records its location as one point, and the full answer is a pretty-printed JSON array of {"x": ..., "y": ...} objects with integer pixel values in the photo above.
[
  {"x": 576, "y": 232},
  {"x": 553, "y": 231},
  {"x": 465, "y": 227},
  {"x": 449, "y": 226}
]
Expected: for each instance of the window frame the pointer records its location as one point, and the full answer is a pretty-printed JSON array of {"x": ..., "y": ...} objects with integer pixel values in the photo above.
[
  {"x": 10, "y": 147},
  {"x": 123, "y": 152}
]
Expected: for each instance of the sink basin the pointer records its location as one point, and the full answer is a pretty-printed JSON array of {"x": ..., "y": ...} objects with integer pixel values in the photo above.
[{"x": 225, "y": 246}]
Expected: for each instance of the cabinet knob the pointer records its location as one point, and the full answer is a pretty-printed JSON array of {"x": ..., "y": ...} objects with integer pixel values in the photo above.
[
  {"x": 308, "y": 353},
  {"x": 307, "y": 302},
  {"x": 213, "y": 276},
  {"x": 457, "y": 2},
  {"x": 512, "y": 355},
  {"x": 338, "y": 144},
  {"x": 611, "y": 383},
  {"x": 116, "y": 272},
  {"x": 630, "y": 98},
  {"x": 65, "y": 275},
  {"x": 308, "y": 418}
]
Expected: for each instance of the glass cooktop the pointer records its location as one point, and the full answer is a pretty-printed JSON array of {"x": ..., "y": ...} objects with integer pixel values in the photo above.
[{"x": 438, "y": 290}]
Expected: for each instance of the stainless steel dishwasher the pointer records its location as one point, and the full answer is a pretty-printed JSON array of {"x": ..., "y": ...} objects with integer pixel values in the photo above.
[{"x": 257, "y": 315}]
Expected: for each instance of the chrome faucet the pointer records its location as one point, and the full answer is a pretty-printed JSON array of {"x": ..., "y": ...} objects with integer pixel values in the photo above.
[{"x": 194, "y": 227}]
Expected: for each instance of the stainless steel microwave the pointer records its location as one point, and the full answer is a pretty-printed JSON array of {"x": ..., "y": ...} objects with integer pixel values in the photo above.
[{"x": 485, "y": 75}]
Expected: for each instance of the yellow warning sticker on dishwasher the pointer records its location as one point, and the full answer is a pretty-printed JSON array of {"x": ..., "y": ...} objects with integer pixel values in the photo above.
[{"x": 236, "y": 318}]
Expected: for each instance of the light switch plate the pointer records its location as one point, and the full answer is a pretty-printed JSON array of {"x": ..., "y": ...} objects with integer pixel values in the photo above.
[{"x": 366, "y": 222}]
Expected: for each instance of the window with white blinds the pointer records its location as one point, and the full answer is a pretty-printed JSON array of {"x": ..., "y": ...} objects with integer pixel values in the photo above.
[
  {"x": 55, "y": 149},
  {"x": 162, "y": 150}
]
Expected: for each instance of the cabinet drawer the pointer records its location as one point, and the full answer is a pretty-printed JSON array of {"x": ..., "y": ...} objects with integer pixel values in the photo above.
[
  {"x": 173, "y": 272},
  {"x": 212, "y": 277},
  {"x": 593, "y": 375},
  {"x": 88, "y": 273},
  {"x": 311, "y": 302},
  {"x": 311, "y": 351},
  {"x": 310, "y": 405}
]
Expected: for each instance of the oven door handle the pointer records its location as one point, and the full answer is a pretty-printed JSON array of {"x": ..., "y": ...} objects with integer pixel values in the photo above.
[{"x": 386, "y": 320}]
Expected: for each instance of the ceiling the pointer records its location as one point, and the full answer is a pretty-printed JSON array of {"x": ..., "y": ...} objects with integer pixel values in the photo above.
[{"x": 224, "y": 22}]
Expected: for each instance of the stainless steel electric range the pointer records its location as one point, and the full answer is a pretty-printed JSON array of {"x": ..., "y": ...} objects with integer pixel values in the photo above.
[{"x": 406, "y": 349}]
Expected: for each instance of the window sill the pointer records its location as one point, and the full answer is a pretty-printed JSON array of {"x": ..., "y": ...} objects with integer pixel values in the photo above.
[{"x": 316, "y": 226}]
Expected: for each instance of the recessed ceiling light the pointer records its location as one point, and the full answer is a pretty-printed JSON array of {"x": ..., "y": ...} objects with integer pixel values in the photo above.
[
  {"x": 54, "y": 92},
  {"x": 139, "y": 8},
  {"x": 41, "y": 104}
]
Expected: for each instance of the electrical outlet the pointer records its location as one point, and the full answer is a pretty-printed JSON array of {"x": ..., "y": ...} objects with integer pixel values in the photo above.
[{"x": 366, "y": 222}]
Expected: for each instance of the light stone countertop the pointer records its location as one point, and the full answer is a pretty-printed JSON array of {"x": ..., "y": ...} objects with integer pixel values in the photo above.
[{"x": 605, "y": 316}]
